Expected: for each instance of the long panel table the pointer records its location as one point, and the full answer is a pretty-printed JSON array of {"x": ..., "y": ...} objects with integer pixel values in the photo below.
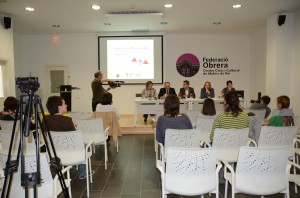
[{"x": 148, "y": 106}]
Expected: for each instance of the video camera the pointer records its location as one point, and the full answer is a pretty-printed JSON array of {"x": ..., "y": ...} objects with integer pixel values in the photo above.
[
  {"x": 114, "y": 84},
  {"x": 28, "y": 84},
  {"x": 258, "y": 100}
]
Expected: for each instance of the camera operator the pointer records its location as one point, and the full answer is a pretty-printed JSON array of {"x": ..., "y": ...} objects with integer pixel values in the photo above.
[
  {"x": 262, "y": 104},
  {"x": 97, "y": 88}
]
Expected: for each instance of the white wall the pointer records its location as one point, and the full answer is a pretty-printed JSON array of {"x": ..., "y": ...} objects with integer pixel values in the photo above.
[
  {"x": 79, "y": 52},
  {"x": 296, "y": 66},
  {"x": 7, "y": 54},
  {"x": 257, "y": 64}
]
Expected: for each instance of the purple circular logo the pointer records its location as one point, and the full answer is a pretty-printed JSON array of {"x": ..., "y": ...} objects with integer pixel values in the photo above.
[{"x": 187, "y": 65}]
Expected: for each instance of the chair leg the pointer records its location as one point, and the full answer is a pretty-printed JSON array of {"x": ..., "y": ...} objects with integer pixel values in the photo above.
[
  {"x": 87, "y": 178},
  {"x": 117, "y": 145},
  {"x": 226, "y": 188},
  {"x": 90, "y": 167},
  {"x": 105, "y": 156},
  {"x": 70, "y": 190}
]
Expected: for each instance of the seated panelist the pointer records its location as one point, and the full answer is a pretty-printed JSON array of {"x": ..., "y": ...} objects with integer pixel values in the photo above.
[
  {"x": 207, "y": 91},
  {"x": 166, "y": 90},
  {"x": 186, "y": 91}
]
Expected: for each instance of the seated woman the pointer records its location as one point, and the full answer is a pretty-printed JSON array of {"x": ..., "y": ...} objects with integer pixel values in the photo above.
[
  {"x": 233, "y": 117},
  {"x": 105, "y": 105},
  {"x": 208, "y": 108},
  {"x": 286, "y": 115},
  {"x": 171, "y": 118},
  {"x": 148, "y": 92},
  {"x": 227, "y": 89},
  {"x": 207, "y": 91},
  {"x": 10, "y": 106}
]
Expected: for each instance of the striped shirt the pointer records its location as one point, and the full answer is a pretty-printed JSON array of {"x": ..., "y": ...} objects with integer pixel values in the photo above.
[{"x": 226, "y": 120}]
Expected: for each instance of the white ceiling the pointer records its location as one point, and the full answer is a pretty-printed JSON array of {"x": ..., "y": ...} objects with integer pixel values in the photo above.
[{"x": 186, "y": 16}]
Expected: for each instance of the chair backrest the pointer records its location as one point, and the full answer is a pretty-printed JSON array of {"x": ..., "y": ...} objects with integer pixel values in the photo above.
[
  {"x": 260, "y": 113},
  {"x": 271, "y": 136},
  {"x": 45, "y": 189},
  {"x": 230, "y": 138},
  {"x": 204, "y": 124},
  {"x": 255, "y": 124},
  {"x": 276, "y": 112},
  {"x": 184, "y": 138},
  {"x": 5, "y": 138},
  {"x": 8, "y": 125},
  {"x": 69, "y": 146},
  {"x": 262, "y": 171},
  {"x": 91, "y": 126},
  {"x": 109, "y": 120},
  {"x": 228, "y": 142},
  {"x": 193, "y": 115},
  {"x": 191, "y": 171}
]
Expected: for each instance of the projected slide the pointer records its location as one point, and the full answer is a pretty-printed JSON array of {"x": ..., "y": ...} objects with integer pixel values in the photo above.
[{"x": 130, "y": 59}]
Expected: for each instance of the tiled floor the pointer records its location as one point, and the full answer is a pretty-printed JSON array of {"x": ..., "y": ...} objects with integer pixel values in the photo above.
[{"x": 131, "y": 173}]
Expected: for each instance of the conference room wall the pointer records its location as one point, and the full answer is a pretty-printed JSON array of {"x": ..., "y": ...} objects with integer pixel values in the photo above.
[{"x": 7, "y": 56}]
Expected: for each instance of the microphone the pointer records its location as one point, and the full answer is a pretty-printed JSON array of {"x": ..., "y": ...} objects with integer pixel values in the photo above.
[{"x": 68, "y": 80}]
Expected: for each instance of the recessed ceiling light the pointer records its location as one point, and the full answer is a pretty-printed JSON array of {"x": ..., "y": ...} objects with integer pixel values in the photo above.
[
  {"x": 106, "y": 23},
  {"x": 56, "y": 25},
  {"x": 95, "y": 7},
  {"x": 237, "y": 6},
  {"x": 168, "y": 5},
  {"x": 217, "y": 23},
  {"x": 164, "y": 23},
  {"x": 29, "y": 9}
]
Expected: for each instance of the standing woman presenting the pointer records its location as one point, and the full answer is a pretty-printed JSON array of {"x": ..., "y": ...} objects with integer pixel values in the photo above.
[{"x": 97, "y": 88}]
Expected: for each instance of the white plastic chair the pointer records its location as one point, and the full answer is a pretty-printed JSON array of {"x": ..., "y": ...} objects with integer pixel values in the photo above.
[
  {"x": 70, "y": 148},
  {"x": 193, "y": 115},
  {"x": 228, "y": 143},
  {"x": 295, "y": 177},
  {"x": 5, "y": 138},
  {"x": 49, "y": 187},
  {"x": 204, "y": 123},
  {"x": 183, "y": 138},
  {"x": 271, "y": 136},
  {"x": 8, "y": 125},
  {"x": 93, "y": 130},
  {"x": 190, "y": 171},
  {"x": 259, "y": 171},
  {"x": 258, "y": 112}
]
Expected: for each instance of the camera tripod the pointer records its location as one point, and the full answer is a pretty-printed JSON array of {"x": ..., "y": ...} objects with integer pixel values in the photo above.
[{"x": 30, "y": 119}]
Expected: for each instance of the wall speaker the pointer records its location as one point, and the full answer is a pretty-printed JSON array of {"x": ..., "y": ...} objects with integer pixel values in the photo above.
[
  {"x": 281, "y": 19},
  {"x": 7, "y": 22}
]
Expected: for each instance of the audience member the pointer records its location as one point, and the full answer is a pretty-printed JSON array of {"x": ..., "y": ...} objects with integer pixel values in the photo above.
[
  {"x": 166, "y": 90},
  {"x": 105, "y": 105},
  {"x": 286, "y": 115},
  {"x": 57, "y": 122},
  {"x": 171, "y": 118},
  {"x": 186, "y": 91},
  {"x": 209, "y": 108},
  {"x": 207, "y": 91},
  {"x": 233, "y": 117},
  {"x": 263, "y": 104},
  {"x": 10, "y": 106},
  {"x": 228, "y": 88},
  {"x": 148, "y": 92}
]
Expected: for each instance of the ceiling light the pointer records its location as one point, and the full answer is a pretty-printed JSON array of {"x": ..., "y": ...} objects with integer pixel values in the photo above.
[
  {"x": 168, "y": 5},
  {"x": 106, "y": 23},
  {"x": 164, "y": 23},
  {"x": 56, "y": 25},
  {"x": 95, "y": 7},
  {"x": 237, "y": 6},
  {"x": 29, "y": 9}
]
